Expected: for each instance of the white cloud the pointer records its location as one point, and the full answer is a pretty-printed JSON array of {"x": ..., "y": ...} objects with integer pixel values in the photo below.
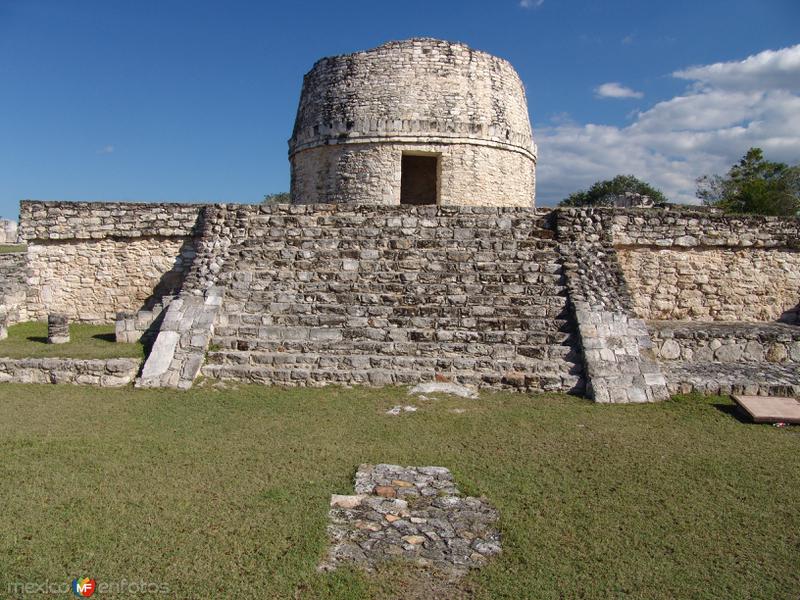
[
  {"x": 628, "y": 39},
  {"x": 770, "y": 69},
  {"x": 727, "y": 108},
  {"x": 616, "y": 90},
  {"x": 531, "y": 3},
  {"x": 106, "y": 149}
]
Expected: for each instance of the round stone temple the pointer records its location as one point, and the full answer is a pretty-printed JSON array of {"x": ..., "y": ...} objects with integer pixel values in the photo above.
[{"x": 421, "y": 121}]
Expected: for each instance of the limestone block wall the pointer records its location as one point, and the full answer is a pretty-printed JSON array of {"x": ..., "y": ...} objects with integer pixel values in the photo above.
[
  {"x": 776, "y": 343},
  {"x": 617, "y": 352},
  {"x": 115, "y": 372},
  {"x": 469, "y": 174},
  {"x": 700, "y": 266},
  {"x": 393, "y": 295},
  {"x": 419, "y": 95},
  {"x": 357, "y": 293},
  {"x": 13, "y": 282},
  {"x": 9, "y": 233},
  {"x": 715, "y": 284},
  {"x": 93, "y": 260}
]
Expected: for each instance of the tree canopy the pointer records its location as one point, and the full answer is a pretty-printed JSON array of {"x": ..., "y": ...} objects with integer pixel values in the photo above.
[
  {"x": 754, "y": 185},
  {"x": 604, "y": 193},
  {"x": 278, "y": 198}
]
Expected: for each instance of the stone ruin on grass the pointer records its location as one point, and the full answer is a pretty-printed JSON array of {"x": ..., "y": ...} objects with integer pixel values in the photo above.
[
  {"x": 370, "y": 287},
  {"x": 415, "y": 515}
]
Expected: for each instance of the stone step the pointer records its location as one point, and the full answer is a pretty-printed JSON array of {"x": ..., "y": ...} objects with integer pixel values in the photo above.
[
  {"x": 273, "y": 333},
  {"x": 473, "y": 258},
  {"x": 253, "y": 311},
  {"x": 352, "y": 296},
  {"x": 340, "y": 237},
  {"x": 538, "y": 321},
  {"x": 558, "y": 344},
  {"x": 748, "y": 378},
  {"x": 533, "y": 359},
  {"x": 400, "y": 279},
  {"x": 391, "y": 219},
  {"x": 255, "y": 319},
  {"x": 269, "y": 375}
]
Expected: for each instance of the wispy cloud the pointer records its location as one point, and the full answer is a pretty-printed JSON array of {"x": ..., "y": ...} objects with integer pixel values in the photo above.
[
  {"x": 531, "y": 3},
  {"x": 616, "y": 90},
  {"x": 109, "y": 149},
  {"x": 628, "y": 39},
  {"x": 727, "y": 108}
]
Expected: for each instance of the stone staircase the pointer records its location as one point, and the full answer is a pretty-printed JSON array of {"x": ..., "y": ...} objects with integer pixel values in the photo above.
[{"x": 397, "y": 298}]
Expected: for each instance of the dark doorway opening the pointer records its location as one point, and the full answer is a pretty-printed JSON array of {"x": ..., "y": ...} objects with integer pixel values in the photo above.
[{"x": 418, "y": 174}]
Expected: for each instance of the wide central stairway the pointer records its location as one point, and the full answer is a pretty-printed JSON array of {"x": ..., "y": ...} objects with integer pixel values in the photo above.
[{"x": 399, "y": 295}]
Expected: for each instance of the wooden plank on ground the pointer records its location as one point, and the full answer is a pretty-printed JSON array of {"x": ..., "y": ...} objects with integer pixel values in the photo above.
[{"x": 770, "y": 409}]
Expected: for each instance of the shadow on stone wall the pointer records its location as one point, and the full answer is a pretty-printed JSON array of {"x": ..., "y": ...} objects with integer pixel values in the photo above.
[
  {"x": 791, "y": 316},
  {"x": 171, "y": 282}
]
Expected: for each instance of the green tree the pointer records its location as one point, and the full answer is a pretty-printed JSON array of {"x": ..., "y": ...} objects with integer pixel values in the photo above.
[
  {"x": 603, "y": 193},
  {"x": 754, "y": 185},
  {"x": 279, "y": 198}
]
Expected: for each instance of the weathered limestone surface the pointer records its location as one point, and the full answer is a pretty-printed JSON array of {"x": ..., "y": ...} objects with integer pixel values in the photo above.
[
  {"x": 726, "y": 342},
  {"x": 370, "y": 173},
  {"x": 57, "y": 329},
  {"x": 696, "y": 227},
  {"x": 41, "y": 221},
  {"x": 142, "y": 325},
  {"x": 617, "y": 351},
  {"x": 104, "y": 373},
  {"x": 93, "y": 260},
  {"x": 491, "y": 297},
  {"x": 700, "y": 265},
  {"x": 400, "y": 295},
  {"x": 180, "y": 347},
  {"x": 13, "y": 285},
  {"x": 726, "y": 358},
  {"x": 713, "y": 284},
  {"x": 359, "y": 112},
  {"x": 752, "y": 379},
  {"x": 9, "y": 233},
  {"x": 93, "y": 280},
  {"x": 414, "y": 514}
]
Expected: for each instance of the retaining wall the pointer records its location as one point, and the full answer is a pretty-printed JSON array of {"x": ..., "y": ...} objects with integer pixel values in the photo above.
[
  {"x": 92, "y": 260},
  {"x": 104, "y": 373},
  {"x": 13, "y": 285},
  {"x": 692, "y": 265}
]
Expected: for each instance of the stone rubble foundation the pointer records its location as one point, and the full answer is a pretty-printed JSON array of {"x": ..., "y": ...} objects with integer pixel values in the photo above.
[{"x": 411, "y": 514}]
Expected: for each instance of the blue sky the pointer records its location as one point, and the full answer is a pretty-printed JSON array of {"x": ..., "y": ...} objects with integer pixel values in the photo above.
[{"x": 195, "y": 100}]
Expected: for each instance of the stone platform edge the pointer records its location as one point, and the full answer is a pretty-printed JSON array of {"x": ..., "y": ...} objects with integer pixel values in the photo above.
[{"x": 114, "y": 372}]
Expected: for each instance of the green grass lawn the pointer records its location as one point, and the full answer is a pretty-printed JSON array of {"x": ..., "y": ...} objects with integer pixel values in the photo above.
[
  {"x": 224, "y": 493},
  {"x": 29, "y": 340}
]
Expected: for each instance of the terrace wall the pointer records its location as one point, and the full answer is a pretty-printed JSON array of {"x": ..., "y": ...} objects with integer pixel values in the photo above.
[
  {"x": 700, "y": 266},
  {"x": 93, "y": 260},
  {"x": 309, "y": 294}
]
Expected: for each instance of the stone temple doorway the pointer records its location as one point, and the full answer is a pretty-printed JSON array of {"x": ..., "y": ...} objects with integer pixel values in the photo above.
[{"x": 419, "y": 179}]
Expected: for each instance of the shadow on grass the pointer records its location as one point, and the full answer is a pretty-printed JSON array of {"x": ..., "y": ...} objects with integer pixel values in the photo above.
[
  {"x": 105, "y": 337},
  {"x": 735, "y": 411},
  {"x": 37, "y": 339}
]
